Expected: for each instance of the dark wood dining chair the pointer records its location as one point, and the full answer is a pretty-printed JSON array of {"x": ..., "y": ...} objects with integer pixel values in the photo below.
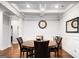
[
  {"x": 41, "y": 49},
  {"x": 23, "y": 48},
  {"x": 56, "y": 47},
  {"x": 59, "y": 44}
]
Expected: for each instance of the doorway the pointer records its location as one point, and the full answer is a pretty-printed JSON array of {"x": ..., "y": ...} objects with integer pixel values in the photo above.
[{"x": 11, "y": 34}]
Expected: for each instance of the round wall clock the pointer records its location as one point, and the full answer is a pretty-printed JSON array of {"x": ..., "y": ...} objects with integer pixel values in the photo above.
[
  {"x": 42, "y": 24},
  {"x": 74, "y": 24}
]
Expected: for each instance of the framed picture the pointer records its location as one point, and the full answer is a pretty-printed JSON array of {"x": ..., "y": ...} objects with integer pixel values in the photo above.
[{"x": 72, "y": 26}]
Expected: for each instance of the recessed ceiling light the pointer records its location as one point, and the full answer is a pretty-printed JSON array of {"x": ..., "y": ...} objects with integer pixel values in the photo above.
[
  {"x": 62, "y": 6},
  {"x": 28, "y": 6},
  {"x": 56, "y": 6}
]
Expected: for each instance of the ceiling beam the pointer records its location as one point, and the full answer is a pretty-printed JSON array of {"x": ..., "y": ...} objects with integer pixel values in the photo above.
[
  {"x": 9, "y": 7},
  {"x": 38, "y": 11}
]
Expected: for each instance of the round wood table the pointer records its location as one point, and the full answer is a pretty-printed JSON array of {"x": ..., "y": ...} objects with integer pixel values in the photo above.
[{"x": 30, "y": 43}]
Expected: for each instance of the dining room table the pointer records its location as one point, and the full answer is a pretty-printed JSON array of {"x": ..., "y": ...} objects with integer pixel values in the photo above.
[{"x": 30, "y": 43}]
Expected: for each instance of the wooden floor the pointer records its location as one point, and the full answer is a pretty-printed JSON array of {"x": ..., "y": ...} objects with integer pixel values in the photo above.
[{"x": 13, "y": 52}]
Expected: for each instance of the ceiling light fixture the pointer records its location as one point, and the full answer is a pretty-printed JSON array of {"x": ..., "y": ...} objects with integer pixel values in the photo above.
[
  {"x": 56, "y": 6},
  {"x": 28, "y": 6},
  {"x": 62, "y": 6}
]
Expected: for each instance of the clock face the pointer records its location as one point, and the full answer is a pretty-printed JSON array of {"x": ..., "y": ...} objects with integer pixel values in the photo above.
[
  {"x": 74, "y": 24},
  {"x": 42, "y": 24}
]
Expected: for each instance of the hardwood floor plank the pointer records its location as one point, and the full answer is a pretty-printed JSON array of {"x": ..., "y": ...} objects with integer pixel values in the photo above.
[{"x": 14, "y": 52}]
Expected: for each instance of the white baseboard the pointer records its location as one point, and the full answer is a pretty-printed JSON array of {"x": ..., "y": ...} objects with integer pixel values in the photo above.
[
  {"x": 3, "y": 48},
  {"x": 67, "y": 50}
]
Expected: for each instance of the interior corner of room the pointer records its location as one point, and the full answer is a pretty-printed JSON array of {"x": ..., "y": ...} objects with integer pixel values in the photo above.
[{"x": 17, "y": 19}]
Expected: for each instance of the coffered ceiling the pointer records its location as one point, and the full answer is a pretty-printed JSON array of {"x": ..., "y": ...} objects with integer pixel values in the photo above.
[
  {"x": 49, "y": 9},
  {"x": 38, "y": 6}
]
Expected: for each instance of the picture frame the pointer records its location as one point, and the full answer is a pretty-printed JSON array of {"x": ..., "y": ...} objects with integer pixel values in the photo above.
[{"x": 72, "y": 26}]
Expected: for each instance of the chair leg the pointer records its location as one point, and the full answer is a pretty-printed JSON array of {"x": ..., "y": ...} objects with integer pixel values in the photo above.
[
  {"x": 49, "y": 54},
  {"x": 27, "y": 54},
  {"x": 55, "y": 54},
  {"x": 23, "y": 54},
  {"x": 20, "y": 54},
  {"x": 32, "y": 52},
  {"x": 61, "y": 52}
]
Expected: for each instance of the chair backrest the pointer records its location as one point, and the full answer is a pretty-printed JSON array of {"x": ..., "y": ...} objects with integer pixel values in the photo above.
[
  {"x": 20, "y": 41},
  {"x": 41, "y": 49},
  {"x": 58, "y": 40}
]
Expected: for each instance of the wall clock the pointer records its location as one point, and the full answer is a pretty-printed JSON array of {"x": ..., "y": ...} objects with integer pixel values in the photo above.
[
  {"x": 42, "y": 24},
  {"x": 74, "y": 23}
]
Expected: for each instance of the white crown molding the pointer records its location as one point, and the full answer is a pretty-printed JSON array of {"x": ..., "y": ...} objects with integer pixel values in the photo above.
[
  {"x": 69, "y": 7},
  {"x": 9, "y": 7},
  {"x": 15, "y": 6},
  {"x": 36, "y": 19}
]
